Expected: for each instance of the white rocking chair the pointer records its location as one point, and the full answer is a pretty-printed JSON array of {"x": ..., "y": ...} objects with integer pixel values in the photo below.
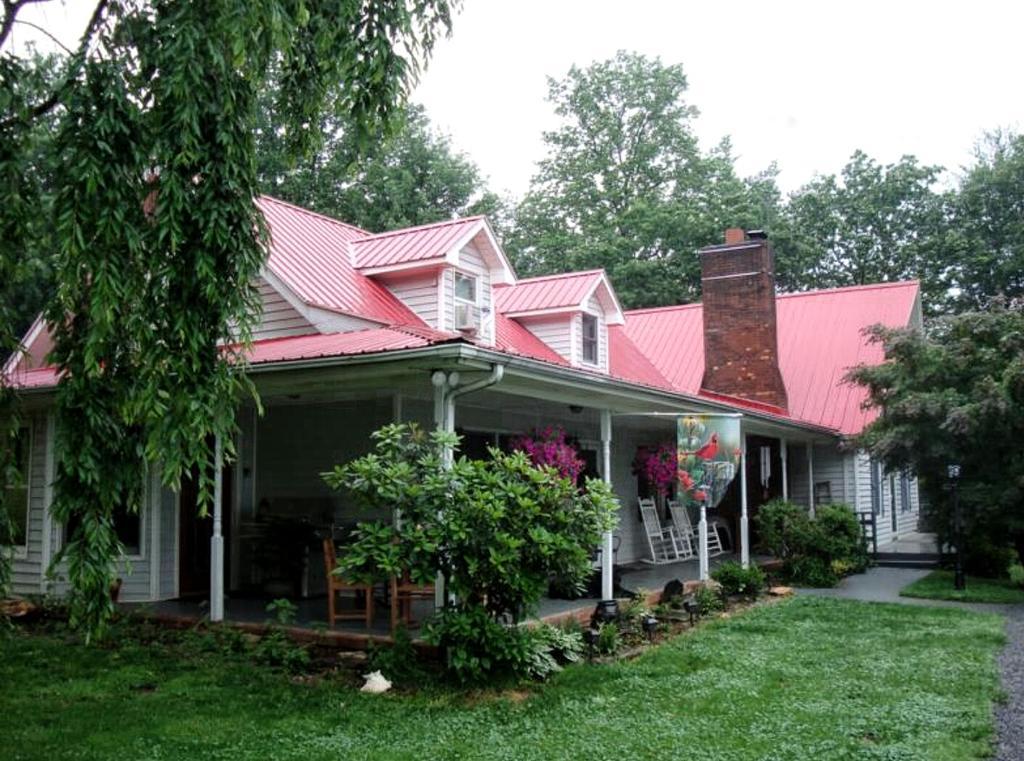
[
  {"x": 663, "y": 541},
  {"x": 684, "y": 527}
]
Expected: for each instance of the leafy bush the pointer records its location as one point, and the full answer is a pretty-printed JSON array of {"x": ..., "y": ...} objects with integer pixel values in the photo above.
[
  {"x": 1017, "y": 574},
  {"x": 551, "y": 648},
  {"x": 397, "y": 661},
  {"x": 815, "y": 551},
  {"x": 710, "y": 600},
  {"x": 737, "y": 580},
  {"x": 499, "y": 529},
  {"x": 277, "y": 650},
  {"x": 478, "y": 646},
  {"x": 609, "y": 638},
  {"x": 986, "y": 558}
]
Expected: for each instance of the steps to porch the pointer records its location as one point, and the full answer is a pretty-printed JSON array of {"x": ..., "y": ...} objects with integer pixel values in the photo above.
[{"x": 913, "y": 550}]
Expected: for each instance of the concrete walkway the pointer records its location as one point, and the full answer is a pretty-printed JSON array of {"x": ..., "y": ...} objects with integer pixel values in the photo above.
[{"x": 884, "y": 585}]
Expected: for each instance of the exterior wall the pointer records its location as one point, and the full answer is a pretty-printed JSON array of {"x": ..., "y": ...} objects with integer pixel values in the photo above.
[
  {"x": 830, "y": 466},
  {"x": 906, "y": 520},
  {"x": 279, "y": 318},
  {"x": 471, "y": 262},
  {"x": 28, "y": 567},
  {"x": 45, "y": 537},
  {"x": 419, "y": 292},
  {"x": 557, "y": 331}
]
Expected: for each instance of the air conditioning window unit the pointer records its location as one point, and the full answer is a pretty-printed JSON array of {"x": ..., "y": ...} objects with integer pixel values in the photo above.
[{"x": 467, "y": 317}]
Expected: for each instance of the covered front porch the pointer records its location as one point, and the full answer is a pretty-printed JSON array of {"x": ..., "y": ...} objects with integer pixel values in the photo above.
[{"x": 275, "y": 508}]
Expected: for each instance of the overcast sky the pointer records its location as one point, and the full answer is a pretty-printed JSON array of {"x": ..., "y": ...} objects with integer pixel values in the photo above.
[{"x": 800, "y": 83}]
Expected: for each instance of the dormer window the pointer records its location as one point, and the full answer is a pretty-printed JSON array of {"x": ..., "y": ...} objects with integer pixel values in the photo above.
[
  {"x": 467, "y": 314},
  {"x": 590, "y": 339}
]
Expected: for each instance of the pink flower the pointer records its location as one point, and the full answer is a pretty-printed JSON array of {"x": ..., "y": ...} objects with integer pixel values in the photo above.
[{"x": 700, "y": 495}]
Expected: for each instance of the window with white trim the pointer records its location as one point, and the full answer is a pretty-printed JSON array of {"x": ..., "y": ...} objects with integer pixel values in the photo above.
[
  {"x": 590, "y": 339},
  {"x": 464, "y": 296},
  {"x": 16, "y": 490},
  {"x": 877, "y": 503}
]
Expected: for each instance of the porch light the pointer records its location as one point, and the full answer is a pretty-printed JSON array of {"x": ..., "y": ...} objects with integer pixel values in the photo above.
[
  {"x": 650, "y": 625},
  {"x": 605, "y": 612},
  {"x": 692, "y": 607},
  {"x": 590, "y": 638}
]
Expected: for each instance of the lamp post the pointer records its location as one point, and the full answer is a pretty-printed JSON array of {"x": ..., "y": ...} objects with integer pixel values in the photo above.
[{"x": 953, "y": 471}]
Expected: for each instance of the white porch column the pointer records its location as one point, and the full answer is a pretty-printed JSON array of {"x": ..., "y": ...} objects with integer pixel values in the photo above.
[
  {"x": 810, "y": 477},
  {"x": 440, "y": 383},
  {"x": 607, "y": 578},
  {"x": 217, "y": 540},
  {"x": 702, "y": 541},
  {"x": 744, "y": 520},
  {"x": 784, "y": 455}
]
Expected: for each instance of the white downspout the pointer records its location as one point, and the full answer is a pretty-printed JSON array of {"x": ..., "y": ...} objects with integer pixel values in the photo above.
[
  {"x": 445, "y": 394},
  {"x": 744, "y": 520},
  {"x": 217, "y": 540},
  {"x": 784, "y": 456},
  {"x": 810, "y": 477},
  {"x": 607, "y": 578}
]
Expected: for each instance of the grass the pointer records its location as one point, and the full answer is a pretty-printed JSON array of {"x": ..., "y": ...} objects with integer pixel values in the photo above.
[
  {"x": 807, "y": 678},
  {"x": 938, "y": 585}
]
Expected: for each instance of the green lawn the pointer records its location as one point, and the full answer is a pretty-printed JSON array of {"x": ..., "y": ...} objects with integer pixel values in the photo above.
[
  {"x": 938, "y": 585},
  {"x": 804, "y": 679}
]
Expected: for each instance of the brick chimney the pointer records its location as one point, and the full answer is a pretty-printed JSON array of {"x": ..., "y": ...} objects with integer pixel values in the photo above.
[{"x": 741, "y": 347}]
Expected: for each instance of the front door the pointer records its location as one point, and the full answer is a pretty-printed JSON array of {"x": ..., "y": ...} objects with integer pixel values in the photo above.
[{"x": 194, "y": 535}]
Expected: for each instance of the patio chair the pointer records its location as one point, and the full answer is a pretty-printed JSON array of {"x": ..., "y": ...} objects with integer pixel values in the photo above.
[
  {"x": 403, "y": 593},
  {"x": 684, "y": 527},
  {"x": 336, "y": 585},
  {"x": 663, "y": 541}
]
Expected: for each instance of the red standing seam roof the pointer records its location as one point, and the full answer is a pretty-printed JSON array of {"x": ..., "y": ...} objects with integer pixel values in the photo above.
[
  {"x": 547, "y": 292},
  {"x": 413, "y": 244},
  {"x": 821, "y": 337},
  {"x": 320, "y": 345},
  {"x": 310, "y": 253}
]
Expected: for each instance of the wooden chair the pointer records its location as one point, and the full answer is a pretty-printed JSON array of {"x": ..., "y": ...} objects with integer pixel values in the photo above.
[
  {"x": 336, "y": 584},
  {"x": 684, "y": 527},
  {"x": 403, "y": 592},
  {"x": 663, "y": 541}
]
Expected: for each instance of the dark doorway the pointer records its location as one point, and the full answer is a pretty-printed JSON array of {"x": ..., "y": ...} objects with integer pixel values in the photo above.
[{"x": 194, "y": 534}]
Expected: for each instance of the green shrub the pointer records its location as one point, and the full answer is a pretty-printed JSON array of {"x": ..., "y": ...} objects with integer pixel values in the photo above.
[
  {"x": 1017, "y": 574},
  {"x": 499, "y": 529},
  {"x": 477, "y": 646},
  {"x": 815, "y": 551},
  {"x": 397, "y": 661},
  {"x": 277, "y": 650},
  {"x": 811, "y": 571},
  {"x": 710, "y": 601},
  {"x": 551, "y": 648},
  {"x": 986, "y": 558},
  {"x": 609, "y": 638},
  {"x": 737, "y": 580}
]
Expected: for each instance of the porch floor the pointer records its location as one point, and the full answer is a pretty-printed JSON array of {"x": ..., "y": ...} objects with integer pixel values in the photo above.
[{"x": 311, "y": 613}]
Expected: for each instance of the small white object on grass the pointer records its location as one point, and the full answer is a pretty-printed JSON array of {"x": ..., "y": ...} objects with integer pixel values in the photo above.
[{"x": 375, "y": 683}]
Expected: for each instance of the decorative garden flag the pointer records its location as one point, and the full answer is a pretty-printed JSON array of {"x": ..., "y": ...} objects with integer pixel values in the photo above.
[{"x": 709, "y": 453}]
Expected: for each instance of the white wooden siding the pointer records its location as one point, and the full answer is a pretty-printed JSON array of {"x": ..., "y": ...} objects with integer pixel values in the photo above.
[
  {"x": 418, "y": 292},
  {"x": 555, "y": 331},
  {"x": 27, "y": 571},
  {"x": 471, "y": 262},
  {"x": 279, "y": 318}
]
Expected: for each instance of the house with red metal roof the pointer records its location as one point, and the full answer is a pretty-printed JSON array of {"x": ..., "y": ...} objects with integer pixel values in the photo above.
[{"x": 431, "y": 324}]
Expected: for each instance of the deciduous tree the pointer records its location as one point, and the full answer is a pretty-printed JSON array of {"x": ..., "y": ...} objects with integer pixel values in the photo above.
[
  {"x": 955, "y": 395},
  {"x": 625, "y": 185},
  {"x": 157, "y": 238}
]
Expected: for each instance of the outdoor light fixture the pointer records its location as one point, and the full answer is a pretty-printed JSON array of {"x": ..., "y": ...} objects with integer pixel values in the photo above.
[
  {"x": 590, "y": 638},
  {"x": 953, "y": 472},
  {"x": 605, "y": 612},
  {"x": 575, "y": 409},
  {"x": 691, "y": 606},
  {"x": 650, "y": 625}
]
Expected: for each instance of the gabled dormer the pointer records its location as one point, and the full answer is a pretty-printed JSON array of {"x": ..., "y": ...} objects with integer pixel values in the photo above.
[
  {"x": 569, "y": 312},
  {"x": 444, "y": 272}
]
